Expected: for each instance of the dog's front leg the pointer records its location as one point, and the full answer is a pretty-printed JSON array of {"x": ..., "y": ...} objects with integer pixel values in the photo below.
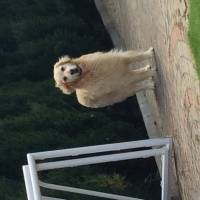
[
  {"x": 143, "y": 85},
  {"x": 123, "y": 93}
]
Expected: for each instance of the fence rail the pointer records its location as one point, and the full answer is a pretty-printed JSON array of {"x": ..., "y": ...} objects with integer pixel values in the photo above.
[{"x": 160, "y": 147}]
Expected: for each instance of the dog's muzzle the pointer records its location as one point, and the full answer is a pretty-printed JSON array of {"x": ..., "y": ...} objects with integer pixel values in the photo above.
[{"x": 77, "y": 70}]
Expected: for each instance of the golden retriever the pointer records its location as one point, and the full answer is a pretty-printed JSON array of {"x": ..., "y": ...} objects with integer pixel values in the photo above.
[{"x": 104, "y": 78}]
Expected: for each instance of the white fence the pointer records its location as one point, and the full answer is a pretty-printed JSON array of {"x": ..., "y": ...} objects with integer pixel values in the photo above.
[{"x": 160, "y": 147}]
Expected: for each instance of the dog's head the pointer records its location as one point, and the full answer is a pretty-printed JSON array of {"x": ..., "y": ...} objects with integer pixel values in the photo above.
[{"x": 66, "y": 73}]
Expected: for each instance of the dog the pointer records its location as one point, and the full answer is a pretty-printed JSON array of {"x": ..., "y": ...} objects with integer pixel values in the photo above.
[{"x": 104, "y": 78}]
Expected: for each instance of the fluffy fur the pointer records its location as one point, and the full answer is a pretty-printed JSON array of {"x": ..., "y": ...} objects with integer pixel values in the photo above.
[{"x": 100, "y": 79}]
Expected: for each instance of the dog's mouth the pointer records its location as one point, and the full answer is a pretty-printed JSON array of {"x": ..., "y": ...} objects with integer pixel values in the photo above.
[
  {"x": 79, "y": 70},
  {"x": 74, "y": 74},
  {"x": 76, "y": 71}
]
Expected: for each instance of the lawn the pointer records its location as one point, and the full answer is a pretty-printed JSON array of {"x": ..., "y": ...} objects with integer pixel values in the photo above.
[
  {"x": 35, "y": 116},
  {"x": 194, "y": 31}
]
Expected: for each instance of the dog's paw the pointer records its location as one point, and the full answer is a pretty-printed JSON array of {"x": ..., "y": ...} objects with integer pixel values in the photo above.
[
  {"x": 152, "y": 68},
  {"x": 150, "y": 84},
  {"x": 150, "y": 51},
  {"x": 148, "y": 67}
]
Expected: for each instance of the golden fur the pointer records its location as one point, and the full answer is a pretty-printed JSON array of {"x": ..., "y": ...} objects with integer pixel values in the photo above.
[{"x": 105, "y": 78}]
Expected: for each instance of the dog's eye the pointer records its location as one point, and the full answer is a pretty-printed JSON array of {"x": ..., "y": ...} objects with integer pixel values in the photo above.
[
  {"x": 65, "y": 78},
  {"x": 62, "y": 69}
]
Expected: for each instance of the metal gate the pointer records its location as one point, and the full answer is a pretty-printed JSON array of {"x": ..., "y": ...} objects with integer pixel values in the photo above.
[{"x": 157, "y": 147}]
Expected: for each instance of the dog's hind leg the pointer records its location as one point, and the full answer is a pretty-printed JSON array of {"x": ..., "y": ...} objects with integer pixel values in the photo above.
[
  {"x": 141, "y": 74},
  {"x": 133, "y": 57},
  {"x": 147, "y": 68}
]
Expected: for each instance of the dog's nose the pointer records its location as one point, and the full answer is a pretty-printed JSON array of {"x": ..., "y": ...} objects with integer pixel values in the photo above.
[{"x": 74, "y": 71}]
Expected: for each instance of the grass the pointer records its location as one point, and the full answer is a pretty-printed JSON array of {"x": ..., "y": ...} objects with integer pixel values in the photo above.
[{"x": 194, "y": 31}]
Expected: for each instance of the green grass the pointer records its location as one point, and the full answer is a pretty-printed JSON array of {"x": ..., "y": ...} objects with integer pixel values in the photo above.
[{"x": 194, "y": 31}]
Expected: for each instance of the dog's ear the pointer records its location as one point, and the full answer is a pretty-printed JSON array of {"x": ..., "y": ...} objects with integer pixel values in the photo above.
[
  {"x": 65, "y": 58},
  {"x": 66, "y": 89},
  {"x": 62, "y": 60}
]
